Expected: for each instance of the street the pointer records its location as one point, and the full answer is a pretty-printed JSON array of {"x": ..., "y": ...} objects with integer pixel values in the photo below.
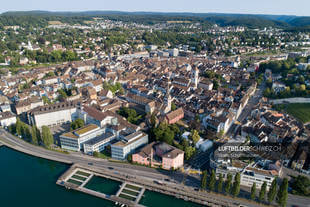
[{"x": 175, "y": 178}]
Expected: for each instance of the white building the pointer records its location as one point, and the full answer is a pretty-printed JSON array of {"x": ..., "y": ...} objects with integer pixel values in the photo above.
[
  {"x": 98, "y": 143},
  {"x": 115, "y": 127},
  {"x": 128, "y": 144},
  {"x": 173, "y": 52},
  {"x": 195, "y": 77},
  {"x": 52, "y": 115},
  {"x": 7, "y": 118},
  {"x": 74, "y": 140}
]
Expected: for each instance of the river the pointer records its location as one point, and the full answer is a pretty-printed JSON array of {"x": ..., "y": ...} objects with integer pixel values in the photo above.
[{"x": 31, "y": 181}]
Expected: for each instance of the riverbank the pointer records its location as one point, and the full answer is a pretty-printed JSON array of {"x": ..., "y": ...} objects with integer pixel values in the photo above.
[{"x": 30, "y": 181}]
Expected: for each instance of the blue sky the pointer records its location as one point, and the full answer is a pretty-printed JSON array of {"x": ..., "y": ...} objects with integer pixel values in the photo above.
[{"x": 289, "y": 7}]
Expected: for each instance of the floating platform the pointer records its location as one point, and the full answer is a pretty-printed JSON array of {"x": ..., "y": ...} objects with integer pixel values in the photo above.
[
  {"x": 131, "y": 192},
  {"x": 76, "y": 178}
]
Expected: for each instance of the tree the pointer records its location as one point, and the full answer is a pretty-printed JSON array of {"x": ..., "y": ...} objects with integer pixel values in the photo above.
[
  {"x": 262, "y": 192},
  {"x": 153, "y": 120},
  {"x": 189, "y": 151},
  {"x": 212, "y": 181},
  {"x": 236, "y": 185},
  {"x": 26, "y": 133},
  {"x": 78, "y": 123},
  {"x": 195, "y": 136},
  {"x": 269, "y": 82},
  {"x": 220, "y": 183},
  {"x": 272, "y": 190},
  {"x": 62, "y": 95},
  {"x": 47, "y": 137},
  {"x": 253, "y": 191},
  {"x": 204, "y": 180},
  {"x": 130, "y": 114},
  {"x": 301, "y": 185},
  {"x": 34, "y": 135},
  {"x": 129, "y": 158},
  {"x": 228, "y": 183},
  {"x": 282, "y": 193},
  {"x": 46, "y": 100},
  {"x": 19, "y": 126},
  {"x": 215, "y": 85},
  {"x": 96, "y": 154},
  {"x": 173, "y": 106},
  {"x": 164, "y": 133}
]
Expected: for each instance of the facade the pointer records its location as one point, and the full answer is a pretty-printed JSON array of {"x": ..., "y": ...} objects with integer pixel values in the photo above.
[
  {"x": 219, "y": 123},
  {"x": 52, "y": 115},
  {"x": 195, "y": 77},
  {"x": 115, "y": 129},
  {"x": 159, "y": 154},
  {"x": 205, "y": 84},
  {"x": 7, "y": 118},
  {"x": 74, "y": 140},
  {"x": 128, "y": 144},
  {"x": 252, "y": 173},
  {"x": 27, "y": 105},
  {"x": 98, "y": 143},
  {"x": 175, "y": 116}
]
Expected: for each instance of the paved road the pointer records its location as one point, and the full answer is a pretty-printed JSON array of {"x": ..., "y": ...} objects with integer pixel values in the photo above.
[
  {"x": 247, "y": 110},
  {"x": 175, "y": 178}
]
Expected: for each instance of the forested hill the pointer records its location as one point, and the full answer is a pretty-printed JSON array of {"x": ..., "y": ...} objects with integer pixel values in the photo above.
[{"x": 41, "y": 18}]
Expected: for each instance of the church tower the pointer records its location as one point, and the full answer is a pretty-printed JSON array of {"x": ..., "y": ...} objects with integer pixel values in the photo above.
[
  {"x": 168, "y": 99},
  {"x": 195, "y": 77}
]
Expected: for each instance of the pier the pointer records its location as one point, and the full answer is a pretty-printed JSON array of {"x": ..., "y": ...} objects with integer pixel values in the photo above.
[
  {"x": 132, "y": 189},
  {"x": 76, "y": 178}
]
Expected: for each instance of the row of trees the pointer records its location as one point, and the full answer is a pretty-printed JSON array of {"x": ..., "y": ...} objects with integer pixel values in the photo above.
[
  {"x": 232, "y": 187},
  {"x": 32, "y": 133}
]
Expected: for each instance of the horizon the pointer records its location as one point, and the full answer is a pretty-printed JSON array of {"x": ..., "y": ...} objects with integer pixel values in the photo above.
[
  {"x": 264, "y": 7},
  {"x": 155, "y": 12}
]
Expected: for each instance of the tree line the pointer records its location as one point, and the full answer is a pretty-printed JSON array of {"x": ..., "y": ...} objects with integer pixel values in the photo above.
[
  {"x": 32, "y": 134},
  {"x": 231, "y": 186}
]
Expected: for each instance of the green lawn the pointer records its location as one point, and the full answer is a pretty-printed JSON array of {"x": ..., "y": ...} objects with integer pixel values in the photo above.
[{"x": 301, "y": 111}]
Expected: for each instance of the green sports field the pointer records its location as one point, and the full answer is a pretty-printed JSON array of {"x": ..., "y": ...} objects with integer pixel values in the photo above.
[{"x": 301, "y": 111}]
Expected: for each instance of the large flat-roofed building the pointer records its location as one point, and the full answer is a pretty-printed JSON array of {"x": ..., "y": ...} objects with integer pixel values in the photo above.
[
  {"x": 251, "y": 173},
  {"x": 52, "y": 115},
  {"x": 109, "y": 128},
  {"x": 128, "y": 144},
  {"x": 74, "y": 140},
  {"x": 98, "y": 143}
]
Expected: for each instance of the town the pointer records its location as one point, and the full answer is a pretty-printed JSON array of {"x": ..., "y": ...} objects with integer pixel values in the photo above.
[{"x": 157, "y": 96}]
